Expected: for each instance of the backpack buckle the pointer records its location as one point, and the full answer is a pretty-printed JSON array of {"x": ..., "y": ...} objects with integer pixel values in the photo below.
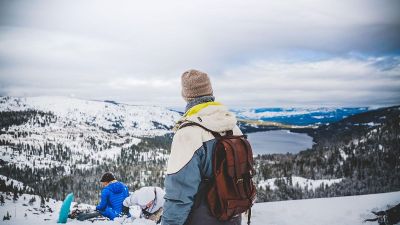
[
  {"x": 251, "y": 173},
  {"x": 239, "y": 180}
]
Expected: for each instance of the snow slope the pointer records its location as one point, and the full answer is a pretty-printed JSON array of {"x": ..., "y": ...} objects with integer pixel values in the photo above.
[
  {"x": 350, "y": 210},
  {"x": 134, "y": 120},
  {"x": 77, "y": 133}
]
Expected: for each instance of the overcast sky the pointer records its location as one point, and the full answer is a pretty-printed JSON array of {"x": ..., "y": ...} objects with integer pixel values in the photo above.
[{"x": 258, "y": 53}]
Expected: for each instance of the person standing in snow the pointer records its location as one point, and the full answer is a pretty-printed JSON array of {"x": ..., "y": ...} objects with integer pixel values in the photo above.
[
  {"x": 112, "y": 196},
  {"x": 150, "y": 200},
  {"x": 190, "y": 160}
]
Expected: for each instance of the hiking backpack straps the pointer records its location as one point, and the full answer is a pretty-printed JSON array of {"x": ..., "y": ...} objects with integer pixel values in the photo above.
[{"x": 231, "y": 191}]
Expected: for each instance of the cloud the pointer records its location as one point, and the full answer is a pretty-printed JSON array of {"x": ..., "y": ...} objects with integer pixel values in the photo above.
[
  {"x": 136, "y": 52},
  {"x": 333, "y": 82}
]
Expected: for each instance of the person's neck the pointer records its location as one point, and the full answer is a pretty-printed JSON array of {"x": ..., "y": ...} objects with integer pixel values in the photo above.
[{"x": 197, "y": 101}]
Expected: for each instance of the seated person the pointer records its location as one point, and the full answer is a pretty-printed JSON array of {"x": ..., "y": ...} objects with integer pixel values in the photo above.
[
  {"x": 150, "y": 200},
  {"x": 112, "y": 196}
]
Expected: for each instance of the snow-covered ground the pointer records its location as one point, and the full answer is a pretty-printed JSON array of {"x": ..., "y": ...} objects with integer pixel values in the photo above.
[
  {"x": 24, "y": 212},
  {"x": 350, "y": 210}
]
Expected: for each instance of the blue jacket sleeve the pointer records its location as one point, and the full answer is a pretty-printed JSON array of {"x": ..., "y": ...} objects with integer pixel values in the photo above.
[
  {"x": 104, "y": 199},
  {"x": 180, "y": 190}
]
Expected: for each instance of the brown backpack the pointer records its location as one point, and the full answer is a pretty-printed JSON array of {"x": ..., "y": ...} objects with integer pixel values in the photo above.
[{"x": 232, "y": 191}]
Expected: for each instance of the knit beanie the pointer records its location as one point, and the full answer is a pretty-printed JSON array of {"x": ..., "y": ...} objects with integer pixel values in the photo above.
[
  {"x": 195, "y": 84},
  {"x": 107, "y": 177}
]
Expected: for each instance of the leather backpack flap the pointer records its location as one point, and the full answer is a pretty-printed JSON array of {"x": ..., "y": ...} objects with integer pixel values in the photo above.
[
  {"x": 214, "y": 202},
  {"x": 245, "y": 190},
  {"x": 233, "y": 197},
  {"x": 223, "y": 169}
]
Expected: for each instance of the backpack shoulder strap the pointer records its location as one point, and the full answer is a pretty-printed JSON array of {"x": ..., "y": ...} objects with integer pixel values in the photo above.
[{"x": 189, "y": 124}]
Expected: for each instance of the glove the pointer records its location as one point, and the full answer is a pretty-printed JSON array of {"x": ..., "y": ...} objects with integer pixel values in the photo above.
[
  {"x": 125, "y": 210},
  {"x": 156, "y": 216}
]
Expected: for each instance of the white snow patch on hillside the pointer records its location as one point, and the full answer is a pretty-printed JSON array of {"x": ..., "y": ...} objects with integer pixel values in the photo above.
[
  {"x": 22, "y": 159},
  {"x": 343, "y": 155},
  {"x": 302, "y": 182},
  {"x": 16, "y": 184}
]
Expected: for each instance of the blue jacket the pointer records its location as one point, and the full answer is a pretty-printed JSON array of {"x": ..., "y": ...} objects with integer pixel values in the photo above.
[
  {"x": 112, "y": 197},
  {"x": 190, "y": 159}
]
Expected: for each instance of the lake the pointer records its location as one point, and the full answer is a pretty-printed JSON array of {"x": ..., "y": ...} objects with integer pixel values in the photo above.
[{"x": 278, "y": 141}]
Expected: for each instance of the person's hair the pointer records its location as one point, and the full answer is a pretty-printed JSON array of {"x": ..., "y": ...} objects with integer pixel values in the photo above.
[{"x": 107, "y": 177}]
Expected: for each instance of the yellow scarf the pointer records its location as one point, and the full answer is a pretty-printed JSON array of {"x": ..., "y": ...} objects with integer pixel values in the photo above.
[{"x": 195, "y": 109}]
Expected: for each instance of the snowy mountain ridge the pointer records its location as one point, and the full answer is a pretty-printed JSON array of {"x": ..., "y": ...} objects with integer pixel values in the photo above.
[
  {"x": 121, "y": 118},
  {"x": 299, "y": 116},
  {"x": 60, "y": 132}
]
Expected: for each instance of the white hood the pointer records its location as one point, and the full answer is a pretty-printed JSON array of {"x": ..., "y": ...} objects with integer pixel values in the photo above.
[
  {"x": 214, "y": 117},
  {"x": 189, "y": 139}
]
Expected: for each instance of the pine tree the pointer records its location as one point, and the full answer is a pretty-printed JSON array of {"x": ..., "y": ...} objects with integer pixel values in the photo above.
[
  {"x": 1, "y": 200},
  {"x": 42, "y": 202},
  {"x": 15, "y": 198},
  {"x": 7, "y": 216},
  {"x": 32, "y": 200}
]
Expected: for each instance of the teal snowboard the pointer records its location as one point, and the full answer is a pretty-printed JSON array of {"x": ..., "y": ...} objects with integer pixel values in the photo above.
[{"x": 64, "y": 211}]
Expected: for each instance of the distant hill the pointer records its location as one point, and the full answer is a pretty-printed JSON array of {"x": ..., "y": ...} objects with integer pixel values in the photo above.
[
  {"x": 58, "y": 144},
  {"x": 361, "y": 150},
  {"x": 298, "y": 116}
]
